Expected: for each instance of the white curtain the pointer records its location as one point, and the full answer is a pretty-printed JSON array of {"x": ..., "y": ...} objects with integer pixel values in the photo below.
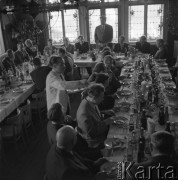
[{"x": 2, "y": 49}]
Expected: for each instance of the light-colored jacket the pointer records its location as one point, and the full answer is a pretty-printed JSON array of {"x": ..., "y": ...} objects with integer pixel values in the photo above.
[{"x": 56, "y": 91}]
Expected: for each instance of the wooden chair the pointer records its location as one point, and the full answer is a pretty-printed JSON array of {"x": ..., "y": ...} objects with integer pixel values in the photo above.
[
  {"x": 39, "y": 105},
  {"x": 27, "y": 118},
  {"x": 12, "y": 130}
]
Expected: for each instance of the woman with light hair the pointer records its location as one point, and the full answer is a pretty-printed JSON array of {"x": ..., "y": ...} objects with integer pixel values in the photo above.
[
  {"x": 30, "y": 48},
  {"x": 121, "y": 46}
]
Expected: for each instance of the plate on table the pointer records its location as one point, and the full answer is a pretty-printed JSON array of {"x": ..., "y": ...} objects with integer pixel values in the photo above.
[
  {"x": 110, "y": 168},
  {"x": 125, "y": 93},
  {"x": 83, "y": 58},
  {"x": 167, "y": 79},
  {"x": 161, "y": 60},
  {"x": 28, "y": 82},
  {"x": 18, "y": 90},
  {"x": 164, "y": 71},
  {"x": 171, "y": 93},
  {"x": 5, "y": 100},
  {"x": 163, "y": 65}
]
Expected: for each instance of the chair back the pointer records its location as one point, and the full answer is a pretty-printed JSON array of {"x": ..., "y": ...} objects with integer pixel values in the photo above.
[
  {"x": 26, "y": 112},
  {"x": 40, "y": 99},
  {"x": 17, "y": 122}
]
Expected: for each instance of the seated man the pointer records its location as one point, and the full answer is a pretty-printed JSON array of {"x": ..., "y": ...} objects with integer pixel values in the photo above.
[
  {"x": 143, "y": 46},
  {"x": 162, "y": 147},
  {"x": 39, "y": 74},
  {"x": 69, "y": 47},
  {"x": 63, "y": 163},
  {"x": 49, "y": 49},
  {"x": 162, "y": 50},
  {"x": 121, "y": 46},
  {"x": 8, "y": 62},
  {"x": 91, "y": 125},
  {"x": 21, "y": 54},
  {"x": 68, "y": 73},
  {"x": 56, "y": 121},
  {"x": 56, "y": 85},
  {"x": 82, "y": 46}
]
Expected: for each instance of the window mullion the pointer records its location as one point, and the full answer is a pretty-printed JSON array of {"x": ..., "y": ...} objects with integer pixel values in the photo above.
[
  {"x": 63, "y": 23},
  {"x": 145, "y": 18}
]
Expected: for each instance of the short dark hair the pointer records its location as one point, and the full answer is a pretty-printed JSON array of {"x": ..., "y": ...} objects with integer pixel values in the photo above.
[
  {"x": 106, "y": 49},
  {"x": 55, "y": 113},
  {"x": 37, "y": 61},
  {"x": 93, "y": 90},
  {"x": 49, "y": 40},
  {"x": 160, "y": 41},
  {"x": 62, "y": 50},
  {"x": 163, "y": 141},
  {"x": 9, "y": 51},
  {"x": 105, "y": 53},
  {"x": 99, "y": 67},
  {"x": 54, "y": 60},
  {"x": 101, "y": 78}
]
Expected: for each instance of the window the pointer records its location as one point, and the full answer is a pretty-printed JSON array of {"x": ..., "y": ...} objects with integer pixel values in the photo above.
[
  {"x": 56, "y": 31},
  {"x": 71, "y": 21},
  {"x": 154, "y": 19},
  {"x": 155, "y": 22},
  {"x": 112, "y": 19},
  {"x": 94, "y": 20},
  {"x": 111, "y": 0},
  {"x": 136, "y": 22},
  {"x": 2, "y": 50}
]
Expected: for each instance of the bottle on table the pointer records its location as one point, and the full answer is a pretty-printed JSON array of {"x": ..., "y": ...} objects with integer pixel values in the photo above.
[
  {"x": 166, "y": 114},
  {"x": 131, "y": 123},
  {"x": 144, "y": 120},
  {"x": 150, "y": 95},
  {"x": 168, "y": 127},
  {"x": 141, "y": 146},
  {"x": 161, "y": 119},
  {"x": 125, "y": 52}
]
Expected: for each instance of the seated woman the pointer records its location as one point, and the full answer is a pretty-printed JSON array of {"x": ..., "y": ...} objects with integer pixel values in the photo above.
[
  {"x": 162, "y": 52},
  {"x": 69, "y": 47},
  {"x": 121, "y": 47},
  {"x": 143, "y": 46},
  {"x": 113, "y": 75},
  {"x": 30, "y": 48},
  {"x": 56, "y": 121},
  {"x": 108, "y": 102},
  {"x": 91, "y": 125}
]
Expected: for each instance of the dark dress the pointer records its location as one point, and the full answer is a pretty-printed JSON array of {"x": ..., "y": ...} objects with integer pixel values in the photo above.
[
  {"x": 62, "y": 165},
  {"x": 118, "y": 48},
  {"x": 21, "y": 57},
  {"x": 9, "y": 65},
  {"x": 39, "y": 77},
  {"x": 83, "y": 48},
  {"x": 161, "y": 54},
  {"x": 145, "y": 48}
]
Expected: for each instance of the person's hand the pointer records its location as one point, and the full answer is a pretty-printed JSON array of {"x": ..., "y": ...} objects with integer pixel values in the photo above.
[
  {"x": 109, "y": 112},
  {"x": 109, "y": 121},
  {"x": 100, "y": 161}
]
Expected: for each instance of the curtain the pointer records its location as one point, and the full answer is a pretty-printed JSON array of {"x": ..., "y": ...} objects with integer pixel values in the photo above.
[{"x": 2, "y": 49}]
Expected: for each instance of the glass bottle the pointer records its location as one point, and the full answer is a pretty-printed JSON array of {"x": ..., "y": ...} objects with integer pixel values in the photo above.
[
  {"x": 161, "y": 119},
  {"x": 131, "y": 123},
  {"x": 144, "y": 120},
  {"x": 141, "y": 146}
]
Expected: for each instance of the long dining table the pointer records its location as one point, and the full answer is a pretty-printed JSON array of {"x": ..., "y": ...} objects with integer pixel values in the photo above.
[
  {"x": 12, "y": 98},
  {"x": 117, "y": 147}
]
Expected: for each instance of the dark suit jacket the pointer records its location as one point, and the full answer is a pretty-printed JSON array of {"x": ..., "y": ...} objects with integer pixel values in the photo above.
[
  {"x": 144, "y": 49},
  {"x": 104, "y": 37},
  {"x": 90, "y": 125},
  {"x": 161, "y": 54},
  {"x": 39, "y": 77},
  {"x": 61, "y": 165},
  {"x": 83, "y": 48},
  {"x": 52, "y": 130},
  {"x": 20, "y": 57},
  {"x": 9, "y": 65},
  {"x": 118, "y": 48},
  {"x": 164, "y": 161},
  {"x": 69, "y": 48},
  {"x": 30, "y": 52}
]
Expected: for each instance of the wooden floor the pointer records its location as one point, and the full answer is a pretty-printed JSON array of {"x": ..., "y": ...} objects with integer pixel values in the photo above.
[{"x": 28, "y": 163}]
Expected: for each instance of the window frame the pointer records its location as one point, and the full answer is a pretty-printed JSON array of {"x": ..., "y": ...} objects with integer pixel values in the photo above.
[
  {"x": 63, "y": 22},
  {"x": 146, "y": 3}
]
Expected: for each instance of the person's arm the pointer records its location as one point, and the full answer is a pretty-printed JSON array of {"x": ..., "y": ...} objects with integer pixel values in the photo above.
[{"x": 94, "y": 130}]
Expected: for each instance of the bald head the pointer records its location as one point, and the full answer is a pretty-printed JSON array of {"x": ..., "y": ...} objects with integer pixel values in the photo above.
[
  {"x": 163, "y": 142},
  {"x": 66, "y": 138}
]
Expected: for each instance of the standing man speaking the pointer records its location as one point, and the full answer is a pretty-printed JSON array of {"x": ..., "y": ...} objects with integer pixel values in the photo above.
[{"x": 103, "y": 33}]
